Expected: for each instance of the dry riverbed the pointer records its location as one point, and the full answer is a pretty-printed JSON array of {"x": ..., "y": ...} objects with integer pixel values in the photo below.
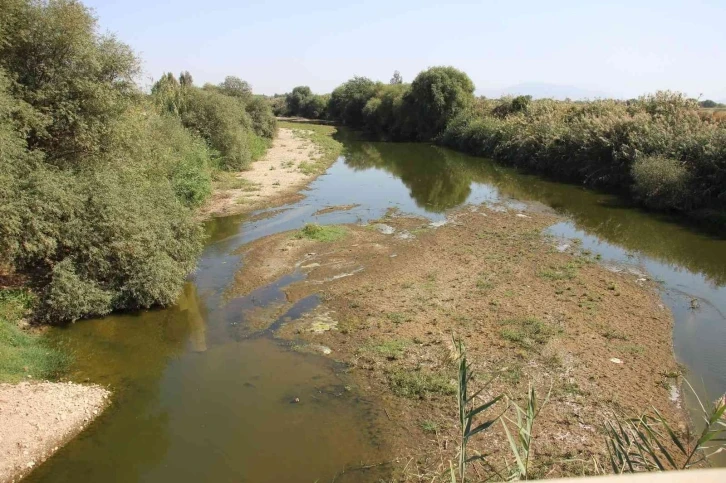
[
  {"x": 530, "y": 310},
  {"x": 37, "y": 418},
  {"x": 299, "y": 153}
]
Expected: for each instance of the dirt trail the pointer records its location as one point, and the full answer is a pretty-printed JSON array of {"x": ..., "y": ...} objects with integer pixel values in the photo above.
[
  {"x": 37, "y": 418},
  {"x": 530, "y": 309},
  {"x": 273, "y": 180}
]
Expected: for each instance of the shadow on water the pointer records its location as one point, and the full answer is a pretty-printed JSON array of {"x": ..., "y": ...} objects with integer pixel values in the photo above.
[{"x": 199, "y": 394}]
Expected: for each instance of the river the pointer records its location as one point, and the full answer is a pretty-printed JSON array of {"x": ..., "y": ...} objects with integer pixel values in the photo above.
[{"x": 198, "y": 395}]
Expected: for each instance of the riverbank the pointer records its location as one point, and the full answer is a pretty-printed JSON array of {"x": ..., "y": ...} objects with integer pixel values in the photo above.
[
  {"x": 37, "y": 418},
  {"x": 530, "y": 310},
  {"x": 299, "y": 153}
]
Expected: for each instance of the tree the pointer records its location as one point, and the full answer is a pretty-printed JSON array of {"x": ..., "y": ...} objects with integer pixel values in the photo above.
[
  {"x": 95, "y": 185},
  {"x": 708, "y": 103},
  {"x": 436, "y": 96},
  {"x": 236, "y": 87},
  {"x": 348, "y": 100},
  {"x": 75, "y": 79},
  {"x": 396, "y": 79},
  {"x": 185, "y": 79},
  {"x": 297, "y": 99}
]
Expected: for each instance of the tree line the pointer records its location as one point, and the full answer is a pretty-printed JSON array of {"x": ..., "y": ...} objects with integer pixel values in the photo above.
[{"x": 660, "y": 149}]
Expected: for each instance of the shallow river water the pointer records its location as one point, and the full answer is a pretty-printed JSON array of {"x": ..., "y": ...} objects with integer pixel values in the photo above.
[{"x": 200, "y": 397}]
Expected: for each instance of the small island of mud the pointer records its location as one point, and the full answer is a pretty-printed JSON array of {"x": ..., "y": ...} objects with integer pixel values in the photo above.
[{"x": 531, "y": 310}]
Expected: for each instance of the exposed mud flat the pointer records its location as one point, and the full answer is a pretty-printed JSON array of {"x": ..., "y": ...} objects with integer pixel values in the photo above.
[
  {"x": 528, "y": 309},
  {"x": 38, "y": 418}
]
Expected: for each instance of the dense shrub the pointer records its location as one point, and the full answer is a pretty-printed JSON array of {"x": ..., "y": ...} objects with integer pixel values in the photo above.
[
  {"x": 302, "y": 102},
  {"x": 278, "y": 104},
  {"x": 263, "y": 120},
  {"x": 661, "y": 182},
  {"x": 297, "y": 99},
  {"x": 228, "y": 117},
  {"x": 76, "y": 80},
  {"x": 348, "y": 101},
  {"x": 657, "y": 146},
  {"x": 383, "y": 113},
  {"x": 436, "y": 96},
  {"x": 96, "y": 187}
]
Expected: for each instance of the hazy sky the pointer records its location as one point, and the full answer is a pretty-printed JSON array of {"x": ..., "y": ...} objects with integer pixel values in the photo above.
[{"x": 623, "y": 48}]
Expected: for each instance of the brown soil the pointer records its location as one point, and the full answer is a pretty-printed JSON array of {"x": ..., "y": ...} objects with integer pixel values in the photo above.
[
  {"x": 600, "y": 342},
  {"x": 37, "y": 418},
  {"x": 274, "y": 180}
]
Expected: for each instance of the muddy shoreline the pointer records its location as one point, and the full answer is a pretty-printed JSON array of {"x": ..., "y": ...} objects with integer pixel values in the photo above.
[{"x": 529, "y": 308}]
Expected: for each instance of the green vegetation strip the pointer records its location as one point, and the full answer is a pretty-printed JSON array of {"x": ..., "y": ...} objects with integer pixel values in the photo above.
[
  {"x": 322, "y": 233},
  {"x": 24, "y": 355},
  {"x": 322, "y": 137}
]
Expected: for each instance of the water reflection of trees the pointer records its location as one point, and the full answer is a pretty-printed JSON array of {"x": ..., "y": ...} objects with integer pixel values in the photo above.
[
  {"x": 610, "y": 219},
  {"x": 434, "y": 183},
  {"x": 439, "y": 179}
]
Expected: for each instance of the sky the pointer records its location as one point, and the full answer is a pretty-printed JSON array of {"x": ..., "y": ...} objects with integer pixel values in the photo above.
[{"x": 620, "y": 48}]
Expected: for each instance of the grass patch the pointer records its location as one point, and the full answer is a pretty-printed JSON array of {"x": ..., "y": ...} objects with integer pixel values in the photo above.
[
  {"x": 322, "y": 233},
  {"x": 23, "y": 354},
  {"x": 224, "y": 180},
  {"x": 390, "y": 349},
  {"x": 511, "y": 374},
  {"x": 417, "y": 384},
  {"x": 612, "y": 334},
  {"x": 429, "y": 426},
  {"x": 308, "y": 168},
  {"x": 630, "y": 348},
  {"x": 527, "y": 332},
  {"x": 397, "y": 317},
  {"x": 562, "y": 272}
]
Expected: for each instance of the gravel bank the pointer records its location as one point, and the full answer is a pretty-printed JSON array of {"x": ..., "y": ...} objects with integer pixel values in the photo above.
[{"x": 37, "y": 418}]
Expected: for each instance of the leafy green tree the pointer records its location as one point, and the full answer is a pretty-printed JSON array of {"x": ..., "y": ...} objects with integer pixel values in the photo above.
[
  {"x": 396, "y": 79},
  {"x": 185, "y": 79},
  {"x": 263, "y": 120},
  {"x": 297, "y": 100},
  {"x": 348, "y": 100},
  {"x": 76, "y": 80},
  {"x": 96, "y": 187},
  {"x": 316, "y": 107},
  {"x": 236, "y": 87},
  {"x": 436, "y": 96}
]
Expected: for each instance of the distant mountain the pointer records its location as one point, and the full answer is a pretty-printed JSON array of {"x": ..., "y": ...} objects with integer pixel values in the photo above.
[{"x": 539, "y": 90}]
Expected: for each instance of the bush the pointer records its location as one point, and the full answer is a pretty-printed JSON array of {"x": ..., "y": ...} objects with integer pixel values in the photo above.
[
  {"x": 302, "y": 102},
  {"x": 348, "y": 101},
  {"x": 223, "y": 122},
  {"x": 228, "y": 117},
  {"x": 297, "y": 99},
  {"x": 661, "y": 182},
  {"x": 436, "y": 96},
  {"x": 263, "y": 119},
  {"x": 95, "y": 186},
  {"x": 77, "y": 80},
  {"x": 278, "y": 104}
]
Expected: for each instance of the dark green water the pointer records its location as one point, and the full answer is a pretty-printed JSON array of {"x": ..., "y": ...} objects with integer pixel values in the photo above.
[{"x": 199, "y": 396}]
